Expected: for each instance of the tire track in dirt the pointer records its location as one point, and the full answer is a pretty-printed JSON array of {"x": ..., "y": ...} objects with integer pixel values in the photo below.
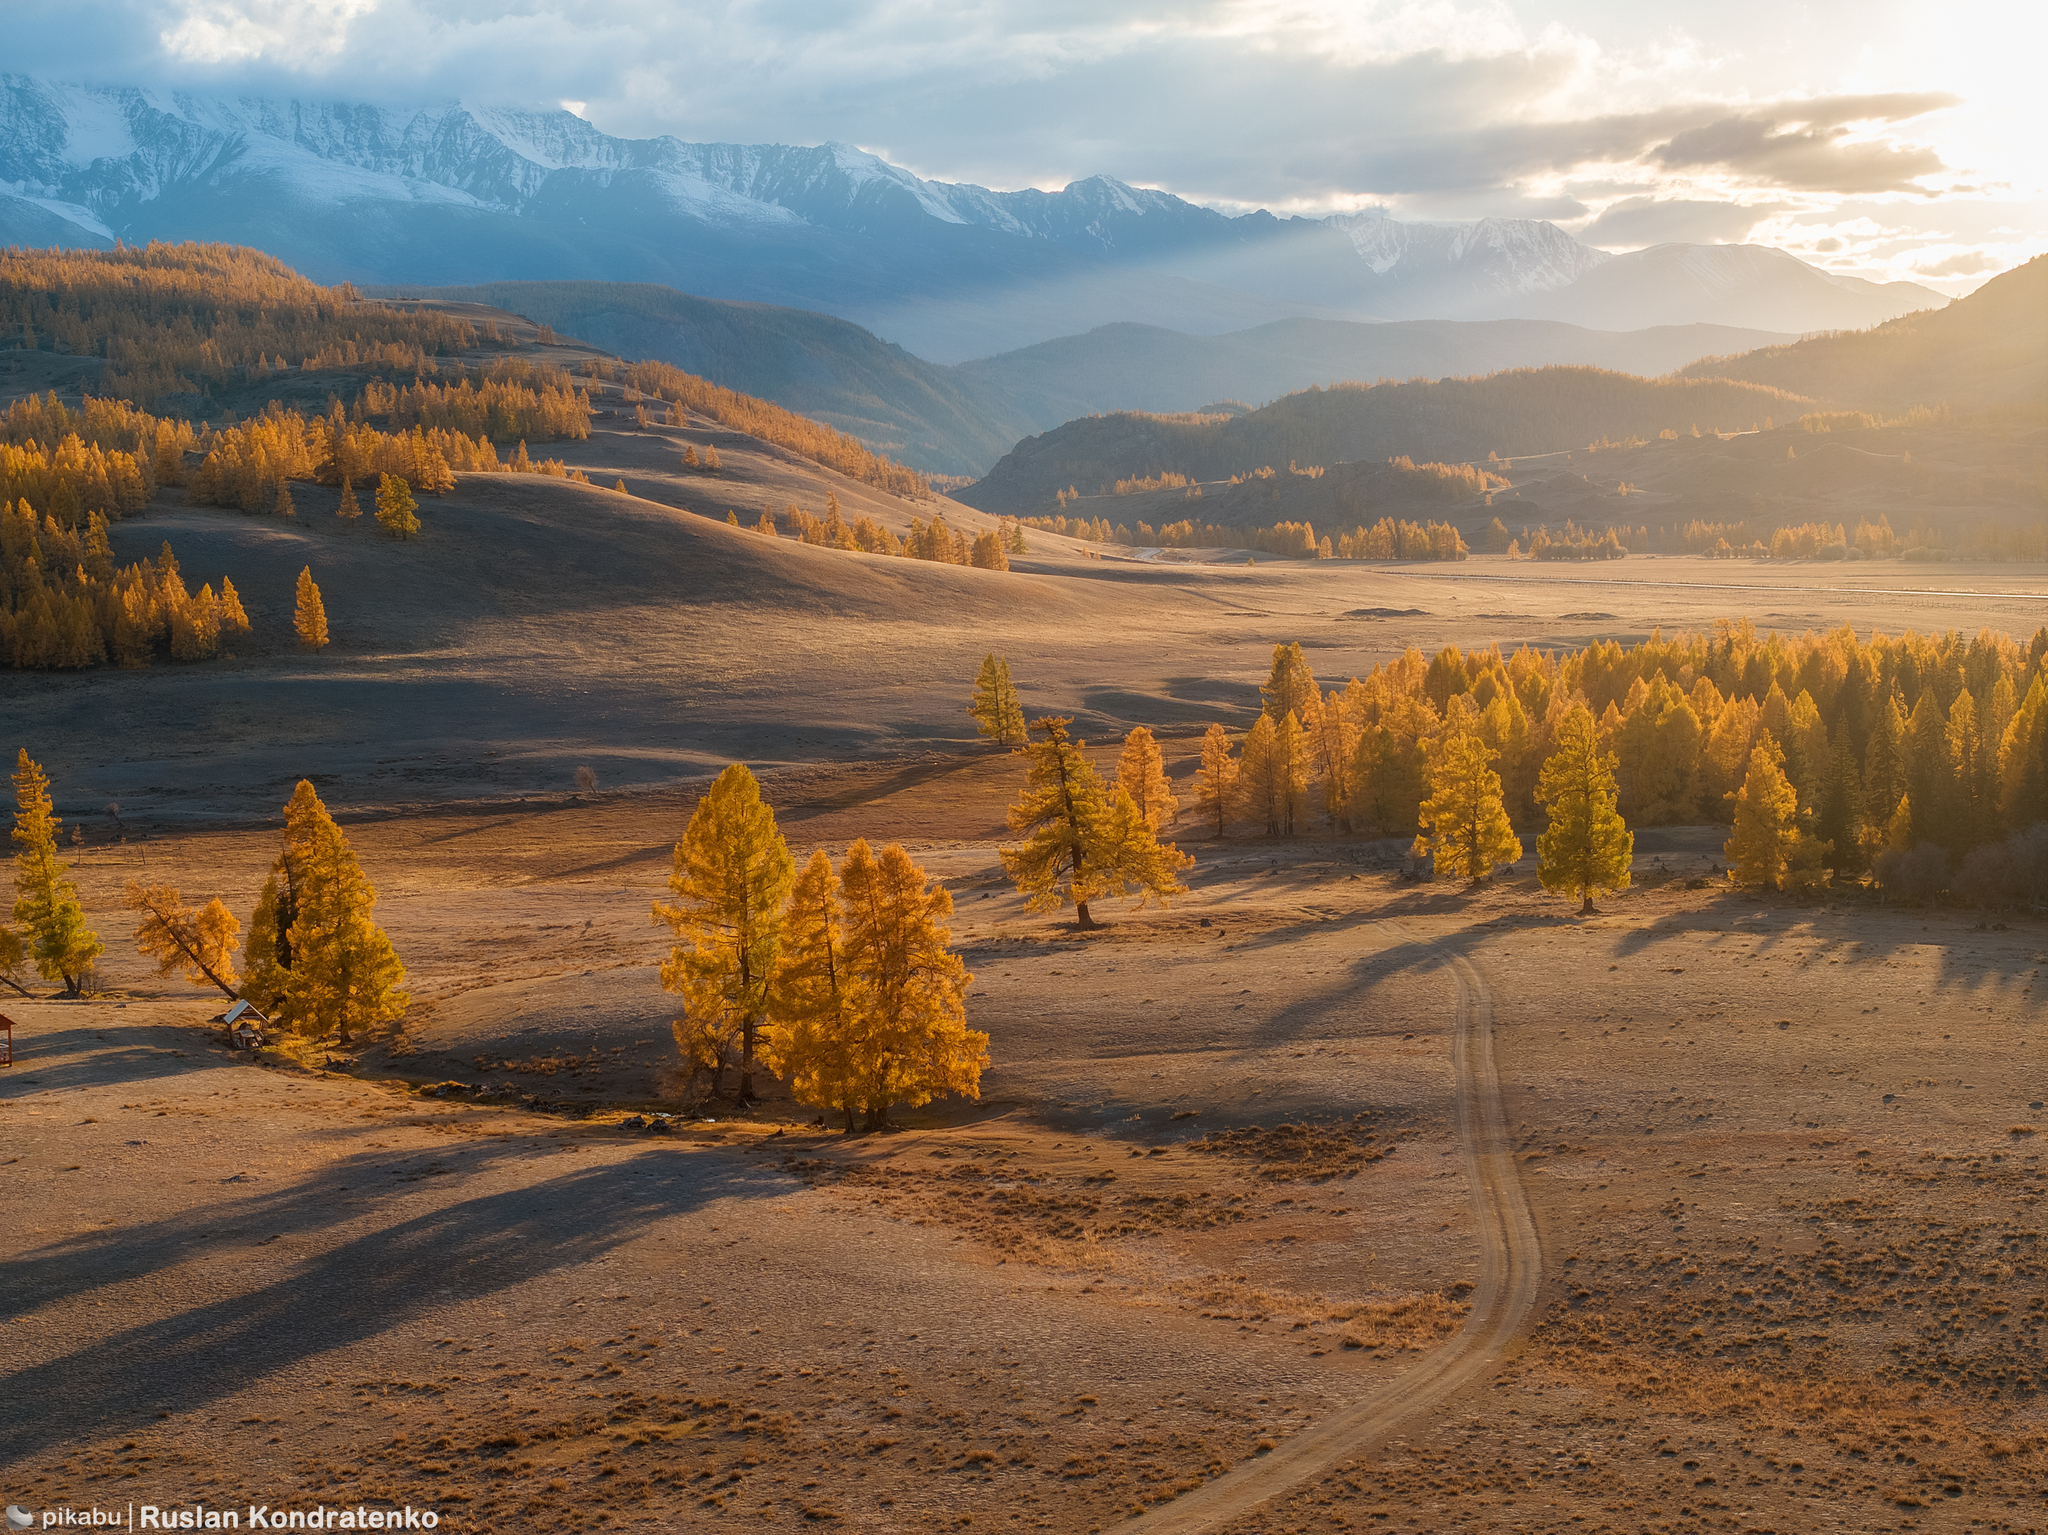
[{"x": 1510, "y": 1273}]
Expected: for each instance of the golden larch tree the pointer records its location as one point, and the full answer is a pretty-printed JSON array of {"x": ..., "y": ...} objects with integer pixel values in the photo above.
[
  {"x": 811, "y": 1037},
  {"x": 1216, "y": 779},
  {"x": 997, "y": 713},
  {"x": 1464, "y": 822},
  {"x": 309, "y": 615},
  {"x": 200, "y": 943},
  {"x": 397, "y": 512},
  {"x": 912, "y": 1042},
  {"x": 350, "y": 507},
  {"x": 1586, "y": 847},
  {"x": 1082, "y": 843},
  {"x": 731, "y": 878},
  {"x": 1769, "y": 849},
  {"x": 1260, "y": 794},
  {"x": 315, "y": 959},
  {"x": 1290, "y": 772},
  {"x": 1141, "y": 772},
  {"x": 1290, "y": 686},
  {"x": 53, "y": 930}
]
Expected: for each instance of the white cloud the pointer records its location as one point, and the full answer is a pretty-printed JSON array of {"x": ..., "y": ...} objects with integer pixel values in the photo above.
[{"x": 1613, "y": 115}]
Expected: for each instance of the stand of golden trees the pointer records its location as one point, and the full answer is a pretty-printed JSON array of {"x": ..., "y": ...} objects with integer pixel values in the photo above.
[
  {"x": 1387, "y": 539},
  {"x": 1921, "y": 758},
  {"x": 987, "y": 550},
  {"x": 64, "y": 605},
  {"x": 189, "y": 317},
  {"x": 771, "y": 423},
  {"x": 841, "y": 979}
]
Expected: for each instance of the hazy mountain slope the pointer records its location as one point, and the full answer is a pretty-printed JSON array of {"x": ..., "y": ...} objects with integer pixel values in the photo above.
[
  {"x": 961, "y": 419},
  {"x": 458, "y": 193},
  {"x": 1137, "y": 367},
  {"x": 925, "y": 415},
  {"x": 1753, "y": 286},
  {"x": 1529, "y": 411},
  {"x": 1989, "y": 349}
]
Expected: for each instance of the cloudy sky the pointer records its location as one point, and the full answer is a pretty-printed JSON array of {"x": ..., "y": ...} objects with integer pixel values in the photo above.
[{"x": 1877, "y": 137}]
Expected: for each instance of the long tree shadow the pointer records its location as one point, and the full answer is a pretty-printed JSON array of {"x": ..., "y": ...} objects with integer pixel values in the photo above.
[
  {"x": 368, "y": 1285},
  {"x": 83, "y": 1055}
]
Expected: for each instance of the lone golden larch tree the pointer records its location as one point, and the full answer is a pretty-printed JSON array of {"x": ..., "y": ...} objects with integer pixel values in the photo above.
[
  {"x": 309, "y": 615},
  {"x": 997, "y": 713},
  {"x": 53, "y": 930},
  {"x": 397, "y": 512},
  {"x": 315, "y": 959}
]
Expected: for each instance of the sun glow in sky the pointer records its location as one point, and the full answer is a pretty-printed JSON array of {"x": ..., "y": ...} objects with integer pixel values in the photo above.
[{"x": 1877, "y": 138}]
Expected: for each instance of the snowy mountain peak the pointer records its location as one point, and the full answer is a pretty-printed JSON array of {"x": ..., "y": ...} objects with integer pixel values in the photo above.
[{"x": 456, "y": 192}]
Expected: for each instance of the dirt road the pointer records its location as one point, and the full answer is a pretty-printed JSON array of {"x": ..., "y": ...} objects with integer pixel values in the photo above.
[{"x": 1510, "y": 1274}]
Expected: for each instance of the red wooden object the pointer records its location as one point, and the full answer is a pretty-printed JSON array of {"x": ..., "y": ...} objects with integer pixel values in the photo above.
[{"x": 6, "y": 1040}]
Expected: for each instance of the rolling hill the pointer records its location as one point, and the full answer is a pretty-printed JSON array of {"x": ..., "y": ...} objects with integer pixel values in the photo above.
[
  {"x": 1451, "y": 420},
  {"x": 1987, "y": 350}
]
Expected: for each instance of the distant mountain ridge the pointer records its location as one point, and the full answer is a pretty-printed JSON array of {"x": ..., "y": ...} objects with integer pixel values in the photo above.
[
  {"x": 458, "y": 193},
  {"x": 962, "y": 419}
]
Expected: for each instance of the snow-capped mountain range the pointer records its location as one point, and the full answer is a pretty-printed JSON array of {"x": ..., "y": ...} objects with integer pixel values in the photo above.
[{"x": 461, "y": 194}]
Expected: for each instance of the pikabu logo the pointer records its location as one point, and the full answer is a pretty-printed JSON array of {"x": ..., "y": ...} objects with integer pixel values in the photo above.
[{"x": 197, "y": 1516}]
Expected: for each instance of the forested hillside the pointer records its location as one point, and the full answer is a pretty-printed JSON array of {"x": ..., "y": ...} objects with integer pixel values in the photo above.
[
  {"x": 829, "y": 369},
  {"x": 1528, "y": 411}
]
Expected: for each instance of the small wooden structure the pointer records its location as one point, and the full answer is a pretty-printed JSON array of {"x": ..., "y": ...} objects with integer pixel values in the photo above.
[
  {"x": 245, "y": 1026},
  {"x": 6, "y": 1040}
]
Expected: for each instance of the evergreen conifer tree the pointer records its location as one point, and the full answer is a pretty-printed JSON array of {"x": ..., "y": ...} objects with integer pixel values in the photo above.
[
  {"x": 1464, "y": 822},
  {"x": 1216, "y": 781},
  {"x": 309, "y": 616},
  {"x": 997, "y": 713},
  {"x": 731, "y": 878},
  {"x": 396, "y": 509},
  {"x": 53, "y": 929},
  {"x": 1141, "y": 772},
  {"x": 1586, "y": 847}
]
